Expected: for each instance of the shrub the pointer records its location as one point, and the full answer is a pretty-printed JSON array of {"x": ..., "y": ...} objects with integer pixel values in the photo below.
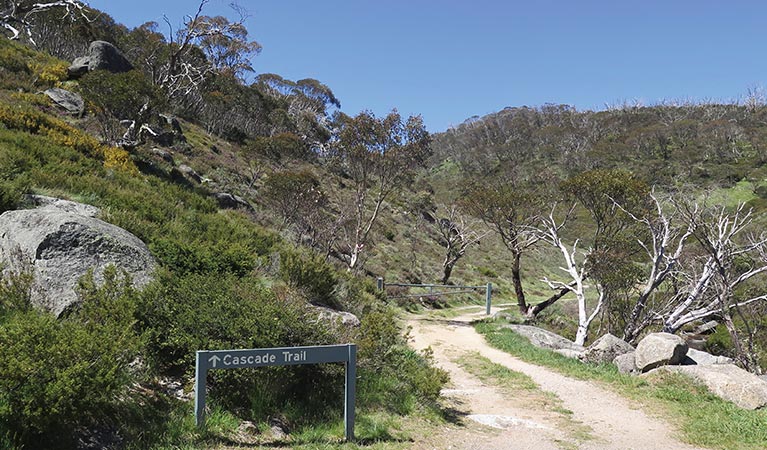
[
  {"x": 60, "y": 375},
  {"x": 309, "y": 273},
  {"x": 393, "y": 375},
  {"x": 116, "y": 97},
  {"x": 283, "y": 145},
  {"x": 11, "y": 194},
  {"x": 23, "y": 118},
  {"x": 211, "y": 243},
  {"x": 49, "y": 73},
  {"x": 182, "y": 315}
]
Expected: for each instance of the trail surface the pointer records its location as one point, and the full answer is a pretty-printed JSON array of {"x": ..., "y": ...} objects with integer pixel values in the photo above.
[{"x": 589, "y": 416}]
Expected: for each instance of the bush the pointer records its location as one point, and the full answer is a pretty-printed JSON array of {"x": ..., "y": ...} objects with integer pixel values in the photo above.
[
  {"x": 116, "y": 97},
  {"x": 311, "y": 274},
  {"x": 10, "y": 194},
  {"x": 393, "y": 375},
  {"x": 182, "y": 315},
  {"x": 283, "y": 145},
  {"x": 211, "y": 243},
  {"x": 60, "y": 375},
  {"x": 23, "y": 118}
]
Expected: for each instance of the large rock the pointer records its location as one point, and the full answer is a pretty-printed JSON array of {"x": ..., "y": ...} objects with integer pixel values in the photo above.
[
  {"x": 727, "y": 381},
  {"x": 60, "y": 246},
  {"x": 229, "y": 201},
  {"x": 64, "y": 205},
  {"x": 101, "y": 56},
  {"x": 70, "y": 101},
  {"x": 660, "y": 349},
  {"x": 626, "y": 363},
  {"x": 544, "y": 338},
  {"x": 606, "y": 349},
  {"x": 334, "y": 317},
  {"x": 701, "y": 358}
]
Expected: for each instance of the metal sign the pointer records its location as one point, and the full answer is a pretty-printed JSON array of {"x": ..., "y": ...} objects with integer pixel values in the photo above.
[{"x": 285, "y": 356}]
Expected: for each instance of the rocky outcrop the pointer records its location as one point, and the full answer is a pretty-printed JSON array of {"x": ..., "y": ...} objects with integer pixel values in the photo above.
[
  {"x": 606, "y": 349},
  {"x": 701, "y": 358},
  {"x": 660, "y": 349},
  {"x": 229, "y": 201},
  {"x": 59, "y": 245},
  {"x": 626, "y": 363},
  {"x": 334, "y": 317},
  {"x": 544, "y": 339},
  {"x": 727, "y": 381},
  {"x": 70, "y": 101},
  {"x": 101, "y": 56}
]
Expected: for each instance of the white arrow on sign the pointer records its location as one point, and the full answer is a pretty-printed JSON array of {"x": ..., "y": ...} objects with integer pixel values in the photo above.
[{"x": 213, "y": 360}]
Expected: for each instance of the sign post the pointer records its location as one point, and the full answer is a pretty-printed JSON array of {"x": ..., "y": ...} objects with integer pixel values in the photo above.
[{"x": 284, "y": 356}]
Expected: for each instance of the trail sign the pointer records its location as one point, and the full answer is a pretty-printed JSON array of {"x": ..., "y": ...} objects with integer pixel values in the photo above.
[{"x": 284, "y": 356}]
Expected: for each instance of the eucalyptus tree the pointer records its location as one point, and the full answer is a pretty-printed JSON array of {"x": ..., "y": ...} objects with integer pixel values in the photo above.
[
  {"x": 18, "y": 16},
  {"x": 512, "y": 209},
  {"x": 378, "y": 156},
  {"x": 456, "y": 232}
]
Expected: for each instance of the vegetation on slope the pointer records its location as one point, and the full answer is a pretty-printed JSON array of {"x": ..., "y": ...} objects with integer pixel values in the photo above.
[{"x": 224, "y": 282}]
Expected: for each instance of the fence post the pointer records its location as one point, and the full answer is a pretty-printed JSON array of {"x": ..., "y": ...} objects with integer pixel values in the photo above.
[
  {"x": 488, "y": 297},
  {"x": 380, "y": 283}
]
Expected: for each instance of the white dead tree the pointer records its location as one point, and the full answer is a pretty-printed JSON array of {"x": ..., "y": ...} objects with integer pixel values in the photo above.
[
  {"x": 17, "y": 16},
  {"x": 457, "y": 233},
  {"x": 664, "y": 245},
  {"x": 727, "y": 264},
  {"x": 186, "y": 69},
  {"x": 711, "y": 291},
  {"x": 575, "y": 268}
]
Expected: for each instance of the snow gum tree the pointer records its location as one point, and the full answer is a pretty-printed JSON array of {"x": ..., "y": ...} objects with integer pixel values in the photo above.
[{"x": 378, "y": 155}]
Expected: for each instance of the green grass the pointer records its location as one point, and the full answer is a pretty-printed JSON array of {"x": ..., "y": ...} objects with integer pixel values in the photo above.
[
  {"x": 705, "y": 420},
  {"x": 373, "y": 430}
]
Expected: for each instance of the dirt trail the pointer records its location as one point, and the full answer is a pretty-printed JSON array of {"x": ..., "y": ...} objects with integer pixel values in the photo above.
[{"x": 607, "y": 420}]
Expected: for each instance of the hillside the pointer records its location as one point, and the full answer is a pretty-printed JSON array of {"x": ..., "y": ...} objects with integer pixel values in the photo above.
[{"x": 117, "y": 369}]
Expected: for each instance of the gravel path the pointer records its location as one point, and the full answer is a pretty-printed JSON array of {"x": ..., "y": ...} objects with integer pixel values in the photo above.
[{"x": 611, "y": 421}]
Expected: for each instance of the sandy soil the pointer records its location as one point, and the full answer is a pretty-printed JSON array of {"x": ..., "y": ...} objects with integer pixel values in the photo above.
[{"x": 600, "y": 419}]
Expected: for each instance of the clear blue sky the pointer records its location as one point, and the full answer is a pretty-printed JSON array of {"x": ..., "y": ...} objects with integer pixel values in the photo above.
[{"x": 451, "y": 59}]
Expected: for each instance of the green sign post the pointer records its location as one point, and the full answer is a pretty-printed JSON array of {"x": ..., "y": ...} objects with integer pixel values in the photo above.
[{"x": 285, "y": 356}]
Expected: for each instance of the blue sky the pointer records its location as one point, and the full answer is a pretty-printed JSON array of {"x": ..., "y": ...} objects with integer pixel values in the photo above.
[{"x": 449, "y": 60}]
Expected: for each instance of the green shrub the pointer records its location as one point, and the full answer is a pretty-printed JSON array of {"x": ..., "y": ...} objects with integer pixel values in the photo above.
[
  {"x": 283, "y": 145},
  {"x": 60, "y": 375},
  {"x": 210, "y": 243},
  {"x": 309, "y": 273},
  {"x": 393, "y": 376},
  {"x": 119, "y": 96},
  {"x": 15, "y": 293},
  {"x": 10, "y": 194}
]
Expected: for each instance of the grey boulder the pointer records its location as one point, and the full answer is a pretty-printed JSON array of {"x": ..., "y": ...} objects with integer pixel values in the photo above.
[
  {"x": 660, "y": 349},
  {"x": 226, "y": 200},
  {"x": 726, "y": 381},
  {"x": 59, "y": 247},
  {"x": 626, "y": 363},
  {"x": 701, "y": 358},
  {"x": 544, "y": 338},
  {"x": 101, "y": 56},
  {"x": 70, "y": 101},
  {"x": 606, "y": 349},
  {"x": 334, "y": 317}
]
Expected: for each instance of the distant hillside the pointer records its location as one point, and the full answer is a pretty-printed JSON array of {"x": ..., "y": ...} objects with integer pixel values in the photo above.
[{"x": 666, "y": 144}]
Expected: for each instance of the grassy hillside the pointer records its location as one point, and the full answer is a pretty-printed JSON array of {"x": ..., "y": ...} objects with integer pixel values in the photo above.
[{"x": 225, "y": 281}]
